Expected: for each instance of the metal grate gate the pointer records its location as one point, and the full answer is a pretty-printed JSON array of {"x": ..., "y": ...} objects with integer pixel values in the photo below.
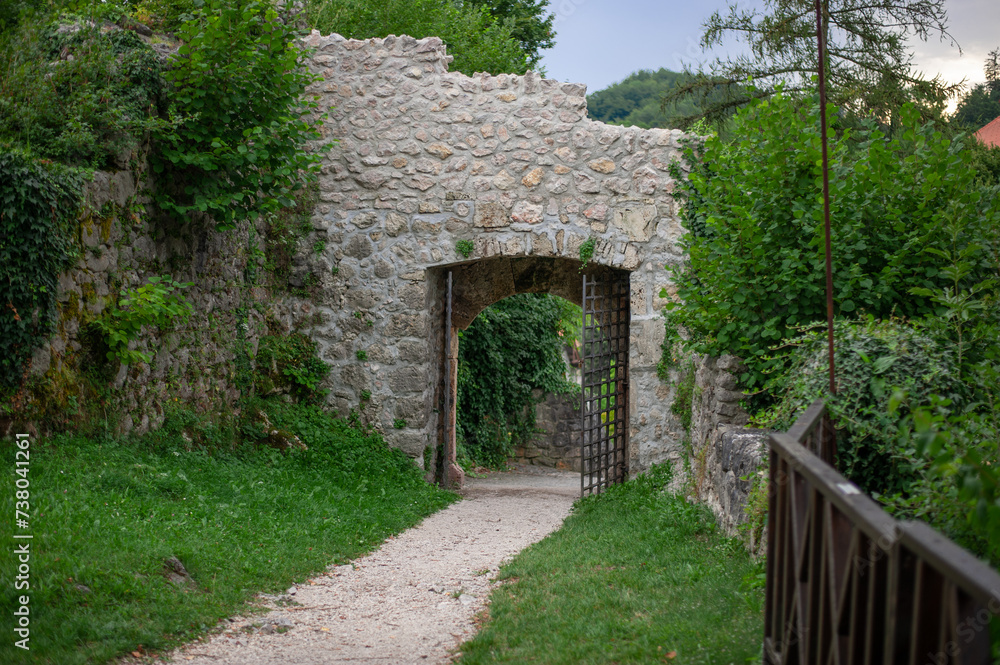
[{"x": 604, "y": 408}]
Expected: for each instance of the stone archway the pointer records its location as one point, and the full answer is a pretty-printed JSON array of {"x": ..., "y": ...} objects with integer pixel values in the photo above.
[
  {"x": 474, "y": 287},
  {"x": 502, "y": 179}
]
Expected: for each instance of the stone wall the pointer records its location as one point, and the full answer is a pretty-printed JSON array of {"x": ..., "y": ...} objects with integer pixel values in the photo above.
[
  {"x": 559, "y": 428},
  {"x": 425, "y": 158},
  {"x": 726, "y": 456},
  {"x": 194, "y": 364}
]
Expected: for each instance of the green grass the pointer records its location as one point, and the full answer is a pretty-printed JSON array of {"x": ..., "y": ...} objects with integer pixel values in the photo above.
[
  {"x": 633, "y": 575},
  {"x": 106, "y": 514}
]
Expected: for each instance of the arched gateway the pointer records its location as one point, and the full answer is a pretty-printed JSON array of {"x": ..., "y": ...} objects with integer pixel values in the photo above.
[{"x": 497, "y": 182}]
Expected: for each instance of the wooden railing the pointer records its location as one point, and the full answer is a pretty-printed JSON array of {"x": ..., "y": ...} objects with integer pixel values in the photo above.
[{"x": 847, "y": 583}]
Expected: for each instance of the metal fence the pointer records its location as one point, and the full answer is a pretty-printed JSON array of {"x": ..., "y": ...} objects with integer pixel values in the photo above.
[{"x": 847, "y": 583}]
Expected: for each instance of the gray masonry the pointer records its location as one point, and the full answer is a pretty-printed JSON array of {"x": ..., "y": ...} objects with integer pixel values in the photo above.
[{"x": 425, "y": 158}]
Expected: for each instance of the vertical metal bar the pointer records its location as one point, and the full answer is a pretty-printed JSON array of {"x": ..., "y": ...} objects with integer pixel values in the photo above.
[
  {"x": 583, "y": 389},
  {"x": 826, "y": 190}
]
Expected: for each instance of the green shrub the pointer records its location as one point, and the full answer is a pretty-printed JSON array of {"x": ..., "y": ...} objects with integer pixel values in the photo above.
[
  {"x": 289, "y": 363},
  {"x": 238, "y": 91},
  {"x": 158, "y": 303},
  {"x": 960, "y": 492},
  {"x": 874, "y": 360},
  {"x": 754, "y": 215},
  {"x": 75, "y": 93}
]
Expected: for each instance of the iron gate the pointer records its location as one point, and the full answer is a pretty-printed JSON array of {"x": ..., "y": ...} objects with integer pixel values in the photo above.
[{"x": 604, "y": 406}]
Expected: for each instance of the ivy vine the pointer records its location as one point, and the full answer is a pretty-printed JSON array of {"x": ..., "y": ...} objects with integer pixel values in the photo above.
[
  {"x": 38, "y": 204},
  {"x": 512, "y": 348}
]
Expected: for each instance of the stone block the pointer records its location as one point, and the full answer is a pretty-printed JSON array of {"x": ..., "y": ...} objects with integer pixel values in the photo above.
[
  {"x": 395, "y": 224},
  {"x": 410, "y": 441},
  {"x": 412, "y": 350},
  {"x": 533, "y": 177},
  {"x": 408, "y": 380},
  {"x": 406, "y": 325},
  {"x": 602, "y": 165},
  {"x": 358, "y": 247},
  {"x": 636, "y": 221},
  {"x": 527, "y": 213},
  {"x": 491, "y": 216},
  {"x": 503, "y": 180}
]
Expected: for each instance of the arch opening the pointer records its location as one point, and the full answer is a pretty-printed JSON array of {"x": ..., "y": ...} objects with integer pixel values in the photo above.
[{"x": 473, "y": 287}]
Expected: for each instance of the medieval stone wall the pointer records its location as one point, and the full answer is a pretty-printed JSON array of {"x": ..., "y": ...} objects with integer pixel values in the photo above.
[
  {"x": 194, "y": 363},
  {"x": 425, "y": 158}
]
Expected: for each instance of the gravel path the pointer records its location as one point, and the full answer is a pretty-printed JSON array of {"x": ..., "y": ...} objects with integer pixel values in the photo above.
[{"x": 414, "y": 599}]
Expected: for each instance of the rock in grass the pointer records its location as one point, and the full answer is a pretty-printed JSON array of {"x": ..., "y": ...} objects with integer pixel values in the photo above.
[{"x": 175, "y": 571}]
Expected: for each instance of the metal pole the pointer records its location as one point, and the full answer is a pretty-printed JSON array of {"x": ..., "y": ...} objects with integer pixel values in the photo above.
[{"x": 826, "y": 190}]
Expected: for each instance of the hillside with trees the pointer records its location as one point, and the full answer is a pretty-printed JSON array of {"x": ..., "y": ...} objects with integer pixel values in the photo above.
[{"x": 636, "y": 100}]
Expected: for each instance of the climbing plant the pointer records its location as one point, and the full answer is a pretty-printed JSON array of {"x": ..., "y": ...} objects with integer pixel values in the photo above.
[
  {"x": 38, "y": 204},
  {"x": 512, "y": 348}
]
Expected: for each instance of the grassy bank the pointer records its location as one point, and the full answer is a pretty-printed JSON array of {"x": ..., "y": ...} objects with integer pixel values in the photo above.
[
  {"x": 106, "y": 514},
  {"x": 633, "y": 576}
]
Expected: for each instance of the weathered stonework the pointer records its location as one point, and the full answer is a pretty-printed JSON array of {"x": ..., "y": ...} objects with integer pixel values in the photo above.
[
  {"x": 425, "y": 158},
  {"x": 193, "y": 364},
  {"x": 726, "y": 455},
  {"x": 558, "y": 427}
]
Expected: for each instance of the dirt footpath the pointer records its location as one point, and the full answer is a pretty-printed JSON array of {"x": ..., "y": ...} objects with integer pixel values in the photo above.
[{"x": 414, "y": 599}]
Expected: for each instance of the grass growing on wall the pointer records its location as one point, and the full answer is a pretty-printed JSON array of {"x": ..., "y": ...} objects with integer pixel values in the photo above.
[
  {"x": 106, "y": 514},
  {"x": 635, "y": 575}
]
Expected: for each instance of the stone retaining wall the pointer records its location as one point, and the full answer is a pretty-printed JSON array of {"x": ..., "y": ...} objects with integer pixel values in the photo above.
[{"x": 726, "y": 455}]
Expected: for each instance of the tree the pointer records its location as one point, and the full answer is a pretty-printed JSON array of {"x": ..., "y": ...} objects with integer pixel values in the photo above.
[
  {"x": 636, "y": 100},
  {"x": 869, "y": 69},
  {"x": 527, "y": 22},
  {"x": 982, "y": 104}
]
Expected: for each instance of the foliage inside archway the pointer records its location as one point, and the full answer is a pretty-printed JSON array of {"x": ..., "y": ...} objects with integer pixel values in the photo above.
[{"x": 512, "y": 348}]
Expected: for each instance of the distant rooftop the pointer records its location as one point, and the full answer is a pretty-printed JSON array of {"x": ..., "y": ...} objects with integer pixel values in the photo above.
[{"x": 990, "y": 134}]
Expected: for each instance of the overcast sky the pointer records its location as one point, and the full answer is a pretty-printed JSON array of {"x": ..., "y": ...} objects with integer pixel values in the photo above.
[{"x": 599, "y": 42}]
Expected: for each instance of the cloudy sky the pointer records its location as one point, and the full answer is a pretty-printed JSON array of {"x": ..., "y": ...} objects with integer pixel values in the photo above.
[{"x": 599, "y": 42}]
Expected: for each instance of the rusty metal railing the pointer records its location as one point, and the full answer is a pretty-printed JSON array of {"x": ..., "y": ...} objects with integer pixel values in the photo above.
[{"x": 848, "y": 584}]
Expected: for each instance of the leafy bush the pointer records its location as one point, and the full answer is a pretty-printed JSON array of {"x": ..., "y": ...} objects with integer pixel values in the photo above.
[
  {"x": 158, "y": 303},
  {"x": 754, "y": 216},
  {"x": 289, "y": 363},
  {"x": 38, "y": 204},
  {"x": 238, "y": 87},
  {"x": 478, "y": 42},
  {"x": 510, "y": 349},
  {"x": 73, "y": 92},
  {"x": 875, "y": 359}
]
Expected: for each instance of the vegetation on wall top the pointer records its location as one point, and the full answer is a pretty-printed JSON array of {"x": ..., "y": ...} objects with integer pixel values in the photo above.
[
  {"x": 492, "y": 36},
  {"x": 73, "y": 92},
  {"x": 224, "y": 123},
  {"x": 238, "y": 148}
]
